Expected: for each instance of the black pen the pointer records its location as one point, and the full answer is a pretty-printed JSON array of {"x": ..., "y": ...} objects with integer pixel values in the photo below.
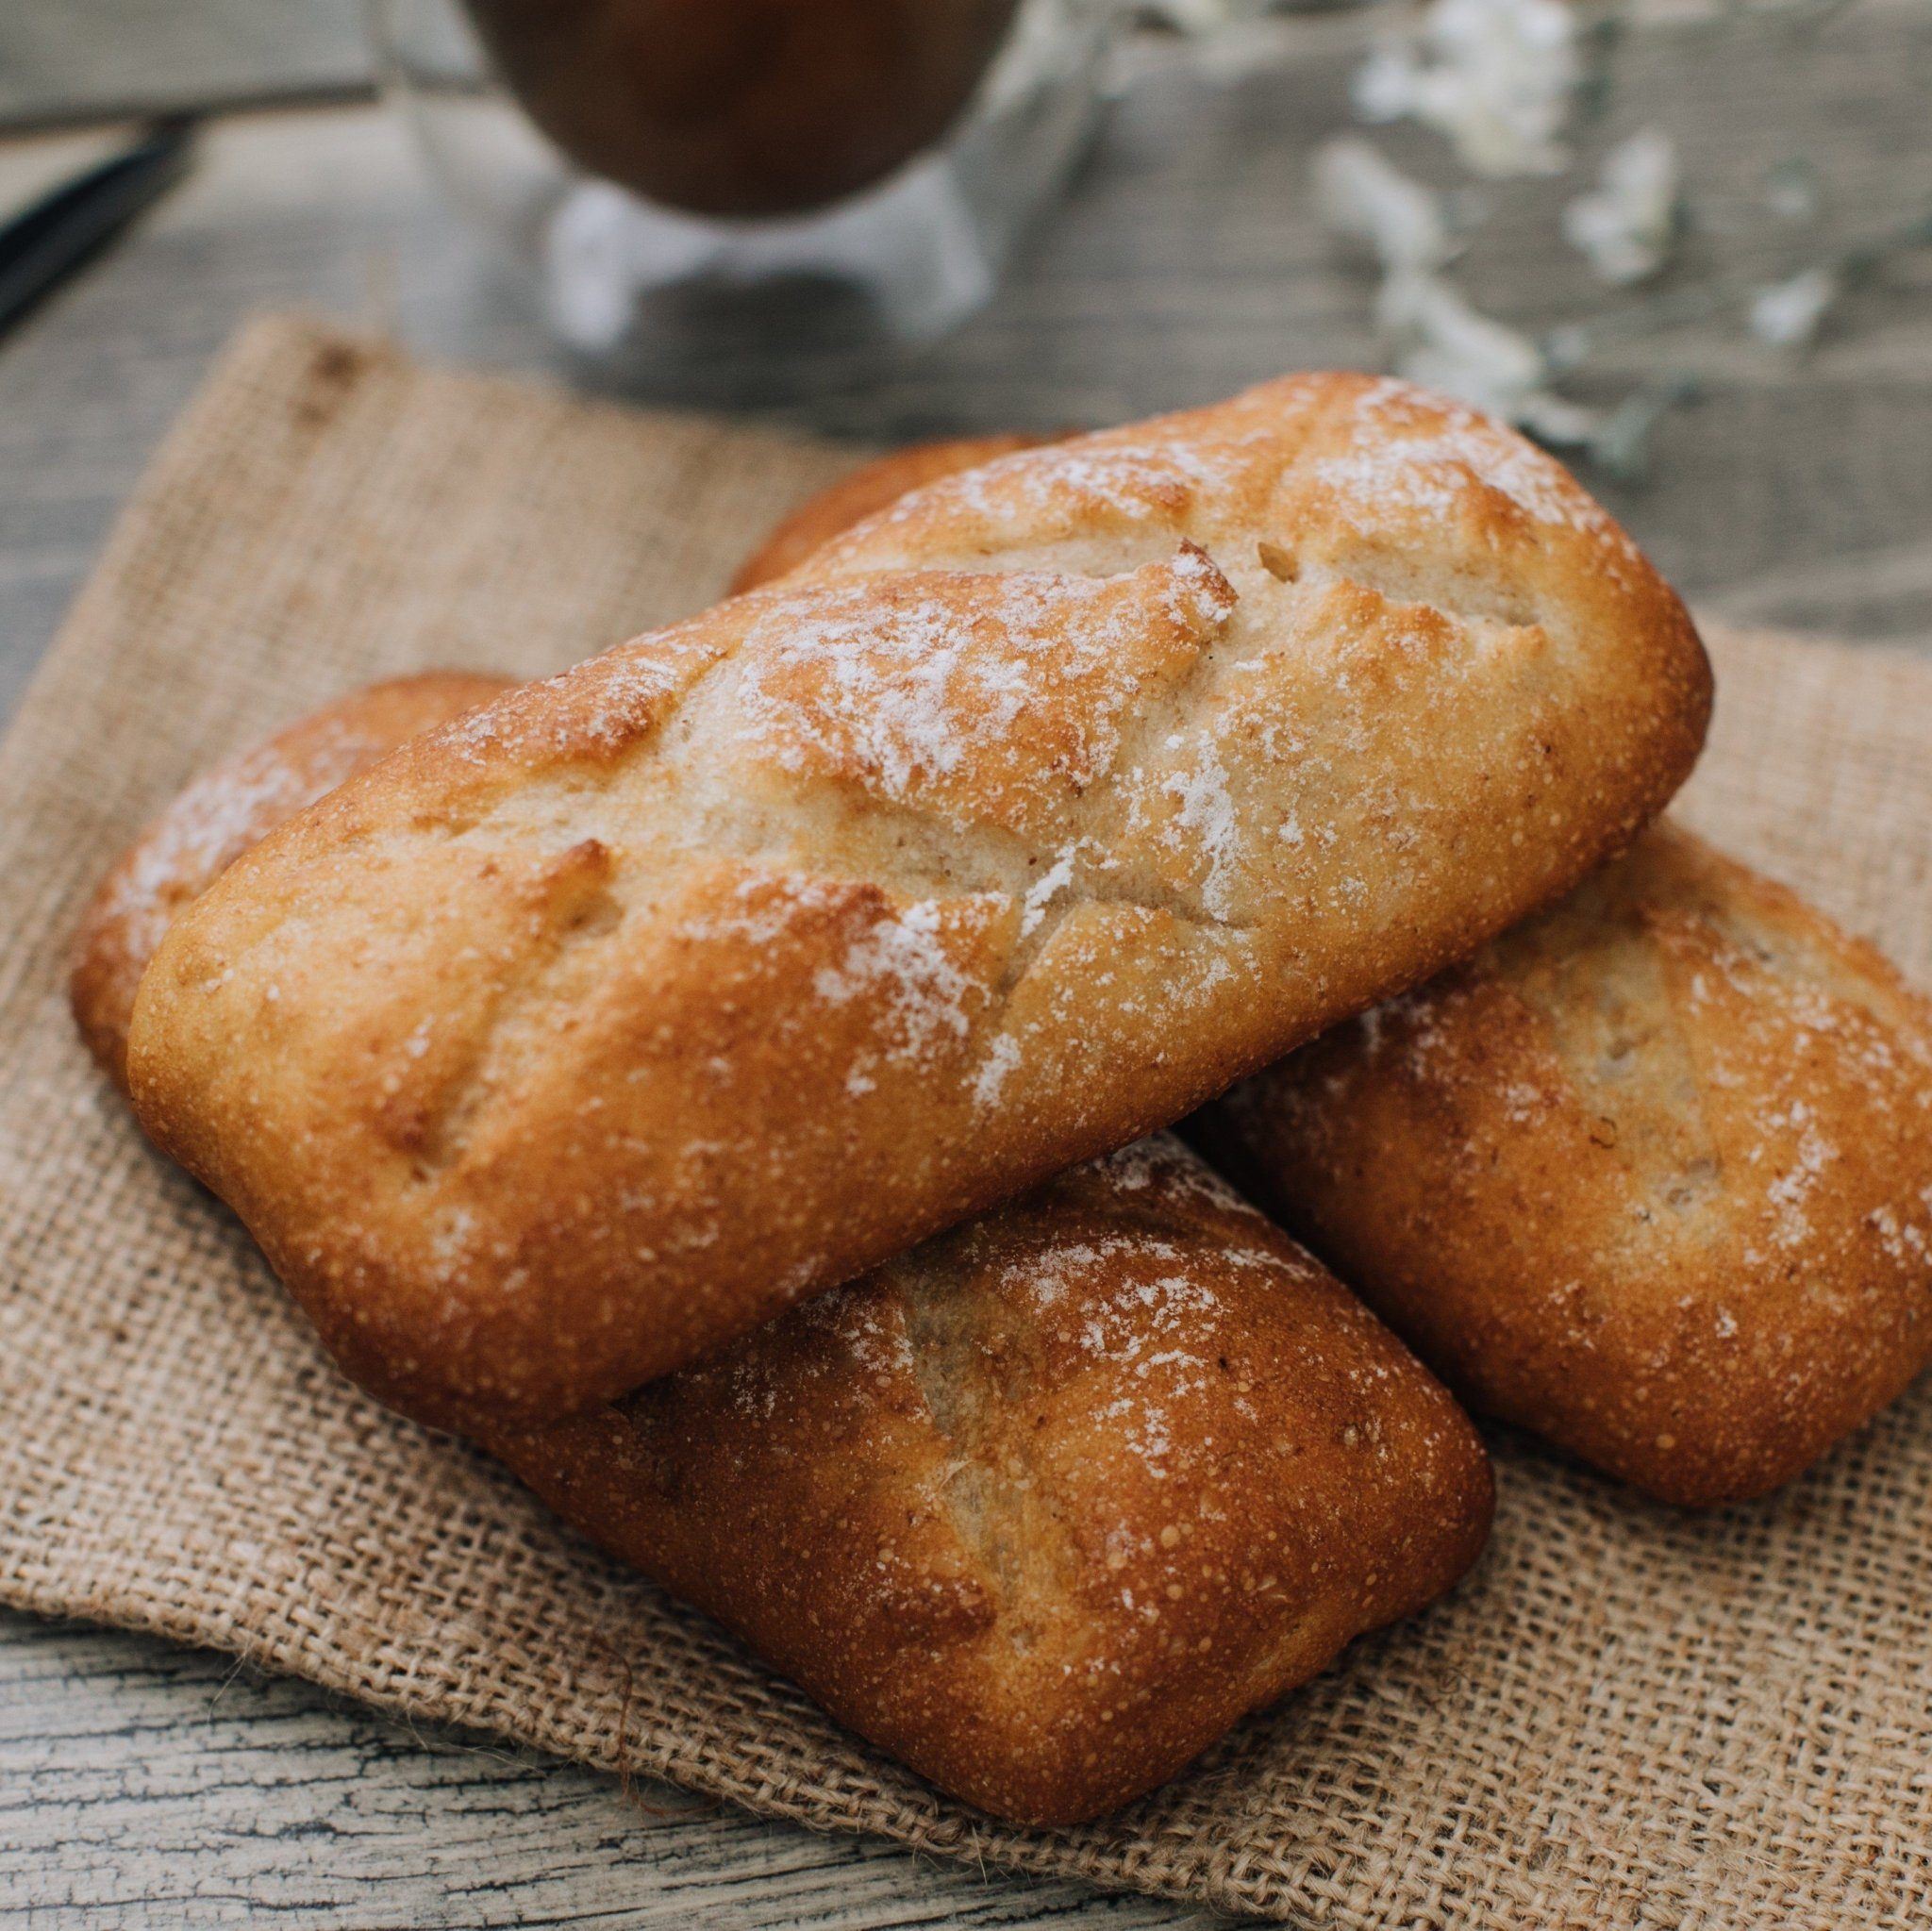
[{"x": 43, "y": 245}]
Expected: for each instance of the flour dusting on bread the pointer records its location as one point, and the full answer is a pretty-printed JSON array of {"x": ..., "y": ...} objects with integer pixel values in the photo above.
[
  {"x": 1423, "y": 453},
  {"x": 1651, "y": 1174},
  {"x": 1046, "y": 1502},
  {"x": 955, "y": 857},
  {"x": 220, "y": 815}
]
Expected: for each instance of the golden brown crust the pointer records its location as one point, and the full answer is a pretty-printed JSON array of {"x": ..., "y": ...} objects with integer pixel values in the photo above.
[
  {"x": 1042, "y": 1507},
  {"x": 1045, "y": 1506},
  {"x": 872, "y": 487},
  {"x": 220, "y": 815},
  {"x": 1651, "y": 1175},
  {"x": 1734, "y": 1443},
  {"x": 576, "y": 1039}
]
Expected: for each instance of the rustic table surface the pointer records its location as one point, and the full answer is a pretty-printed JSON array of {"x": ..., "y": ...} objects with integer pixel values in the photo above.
[{"x": 141, "y": 1784}]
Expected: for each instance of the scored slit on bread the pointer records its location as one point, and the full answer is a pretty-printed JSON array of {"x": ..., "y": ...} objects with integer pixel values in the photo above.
[
  {"x": 1014, "y": 823},
  {"x": 1651, "y": 1175}
]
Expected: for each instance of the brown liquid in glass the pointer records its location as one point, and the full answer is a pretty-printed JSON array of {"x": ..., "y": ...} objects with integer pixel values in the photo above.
[{"x": 743, "y": 107}]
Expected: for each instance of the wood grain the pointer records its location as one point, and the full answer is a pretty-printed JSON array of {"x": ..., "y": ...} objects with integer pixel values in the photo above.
[
  {"x": 146, "y": 1785},
  {"x": 1791, "y": 491},
  {"x": 90, "y": 59}
]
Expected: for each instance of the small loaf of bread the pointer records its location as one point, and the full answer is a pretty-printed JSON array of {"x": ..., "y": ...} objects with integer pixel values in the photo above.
[
  {"x": 1048, "y": 1503},
  {"x": 1635, "y": 1358},
  {"x": 872, "y": 487},
  {"x": 579, "y": 1037},
  {"x": 222, "y": 815},
  {"x": 1652, "y": 1174},
  {"x": 1042, "y": 1507}
]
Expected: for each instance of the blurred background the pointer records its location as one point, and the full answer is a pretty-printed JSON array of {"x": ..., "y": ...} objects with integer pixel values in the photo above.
[{"x": 1688, "y": 243}]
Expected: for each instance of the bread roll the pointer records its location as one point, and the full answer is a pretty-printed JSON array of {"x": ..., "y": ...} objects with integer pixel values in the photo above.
[
  {"x": 1045, "y": 1506},
  {"x": 1651, "y": 1175},
  {"x": 220, "y": 815},
  {"x": 1042, "y": 1507},
  {"x": 577, "y": 1038},
  {"x": 1380, "y": 1160},
  {"x": 872, "y": 487}
]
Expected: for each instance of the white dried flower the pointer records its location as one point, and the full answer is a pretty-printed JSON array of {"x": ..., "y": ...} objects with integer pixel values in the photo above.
[
  {"x": 1495, "y": 75},
  {"x": 1789, "y": 314},
  {"x": 1359, "y": 196},
  {"x": 1443, "y": 344},
  {"x": 1620, "y": 442},
  {"x": 1791, "y": 188},
  {"x": 1627, "y": 225},
  {"x": 1560, "y": 423}
]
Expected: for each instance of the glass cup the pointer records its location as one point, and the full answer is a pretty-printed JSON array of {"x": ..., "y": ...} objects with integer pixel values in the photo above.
[{"x": 746, "y": 199}]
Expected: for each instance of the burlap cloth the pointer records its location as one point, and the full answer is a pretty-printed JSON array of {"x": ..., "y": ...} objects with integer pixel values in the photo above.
[{"x": 1626, "y": 1717}]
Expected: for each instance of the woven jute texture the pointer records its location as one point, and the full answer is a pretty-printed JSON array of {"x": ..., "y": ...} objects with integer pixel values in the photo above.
[{"x": 1626, "y": 1717}]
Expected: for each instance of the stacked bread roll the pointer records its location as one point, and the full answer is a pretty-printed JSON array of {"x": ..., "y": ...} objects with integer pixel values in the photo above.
[
  {"x": 832, "y": 952},
  {"x": 579, "y": 1037}
]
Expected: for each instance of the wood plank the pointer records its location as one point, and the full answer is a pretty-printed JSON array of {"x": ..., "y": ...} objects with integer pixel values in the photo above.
[
  {"x": 100, "y": 59},
  {"x": 142, "y": 1784}
]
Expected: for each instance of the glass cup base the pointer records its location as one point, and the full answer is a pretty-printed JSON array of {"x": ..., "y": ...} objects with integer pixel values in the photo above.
[{"x": 669, "y": 304}]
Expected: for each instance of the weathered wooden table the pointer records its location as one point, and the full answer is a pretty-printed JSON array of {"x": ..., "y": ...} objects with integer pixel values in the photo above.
[{"x": 144, "y": 1785}]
